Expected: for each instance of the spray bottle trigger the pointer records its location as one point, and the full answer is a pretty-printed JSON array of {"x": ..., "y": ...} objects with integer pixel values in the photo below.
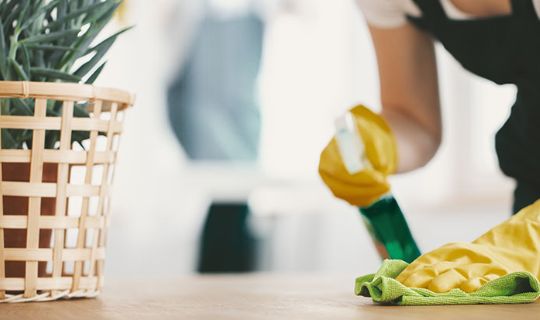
[{"x": 350, "y": 144}]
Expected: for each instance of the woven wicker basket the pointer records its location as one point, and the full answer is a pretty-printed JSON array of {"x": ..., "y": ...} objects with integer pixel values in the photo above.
[{"x": 55, "y": 202}]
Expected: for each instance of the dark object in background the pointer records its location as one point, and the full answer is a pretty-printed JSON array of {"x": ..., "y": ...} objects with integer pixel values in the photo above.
[
  {"x": 215, "y": 115},
  {"x": 226, "y": 243}
]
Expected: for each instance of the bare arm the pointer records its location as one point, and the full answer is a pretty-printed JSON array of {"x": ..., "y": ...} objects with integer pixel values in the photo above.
[{"x": 409, "y": 92}]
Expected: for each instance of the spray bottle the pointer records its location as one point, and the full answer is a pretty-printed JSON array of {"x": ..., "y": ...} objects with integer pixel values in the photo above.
[{"x": 383, "y": 219}]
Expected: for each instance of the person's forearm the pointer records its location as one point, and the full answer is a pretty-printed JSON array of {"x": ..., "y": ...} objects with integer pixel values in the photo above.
[
  {"x": 409, "y": 92},
  {"x": 417, "y": 143}
]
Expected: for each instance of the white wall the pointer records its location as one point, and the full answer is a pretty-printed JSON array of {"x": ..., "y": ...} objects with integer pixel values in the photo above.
[{"x": 318, "y": 62}]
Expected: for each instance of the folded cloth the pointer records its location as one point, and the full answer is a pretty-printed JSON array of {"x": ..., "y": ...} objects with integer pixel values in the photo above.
[{"x": 517, "y": 287}]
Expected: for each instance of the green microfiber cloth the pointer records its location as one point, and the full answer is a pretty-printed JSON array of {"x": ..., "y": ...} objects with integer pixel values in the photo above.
[{"x": 382, "y": 287}]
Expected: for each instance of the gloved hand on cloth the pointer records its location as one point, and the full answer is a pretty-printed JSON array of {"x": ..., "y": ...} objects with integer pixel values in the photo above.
[{"x": 501, "y": 266}]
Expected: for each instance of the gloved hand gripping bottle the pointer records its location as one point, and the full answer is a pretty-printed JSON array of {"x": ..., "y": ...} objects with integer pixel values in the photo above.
[{"x": 384, "y": 219}]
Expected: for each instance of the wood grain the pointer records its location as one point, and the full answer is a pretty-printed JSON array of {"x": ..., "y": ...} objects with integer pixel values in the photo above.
[{"x": 254, "y": 297}]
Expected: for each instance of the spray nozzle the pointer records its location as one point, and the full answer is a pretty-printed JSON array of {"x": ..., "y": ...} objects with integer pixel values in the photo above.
[{"x": 350, "y": 144}]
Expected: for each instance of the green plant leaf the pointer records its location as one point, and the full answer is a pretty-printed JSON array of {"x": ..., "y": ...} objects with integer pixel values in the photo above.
[
  {"x": 50, "y": 36},
  {"x": 5, "y": 107},
  {"x": 51, "y": 138},
  {"x": 22, "y": 108},
  {"x": 18, "y": 69},
  {"x": 3, "y": 51},
  {"x": 95, "y": 74},
  {"x": 8, "y": 21},
  {"x": 80, "y": 110},
  {"x": 26, "y": 61},
  {"x": 47, "y": 47},
  {"x": 110, "y": 38},
  {"x": 54, "y": 57},
  {"x": 54, "y": 74},
  {"x": 80, "y": 136},
  {"x": 35, "y": 7},
  {"x": 42, "y": 11},
  {"x": 80, "y": 12},
  {"x": 41, "y": 40},
  {"x": 39, "y": 59},
  {"x": 100, "y": 50},
  {"x": 7, "y": 140},
  {"x": 61, "y": 10},
  {"x": 7, "y": 8},
  {"x": 104, "y": 12},
  {"x": 25, "y": 8},
  {"x": 84, "y": 41}
]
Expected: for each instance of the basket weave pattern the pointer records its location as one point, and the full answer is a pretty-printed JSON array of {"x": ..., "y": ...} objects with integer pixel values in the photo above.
[{"x": 77, "y": 228}]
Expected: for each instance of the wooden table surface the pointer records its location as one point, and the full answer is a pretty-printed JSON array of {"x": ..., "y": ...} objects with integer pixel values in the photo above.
[{"x": 250, "y": 297}]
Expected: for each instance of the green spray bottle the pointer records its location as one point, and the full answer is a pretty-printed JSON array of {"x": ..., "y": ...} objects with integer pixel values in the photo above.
[{"x": 383, "y": 219}]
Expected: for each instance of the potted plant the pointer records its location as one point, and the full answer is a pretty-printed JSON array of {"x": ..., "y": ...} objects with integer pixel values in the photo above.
[{"x": 52, "y": 42}]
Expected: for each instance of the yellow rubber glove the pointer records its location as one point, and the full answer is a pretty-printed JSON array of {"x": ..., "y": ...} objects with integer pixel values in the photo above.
[
  {"x": 510, "y": 247},
  {"x": 367, "y": 186}
]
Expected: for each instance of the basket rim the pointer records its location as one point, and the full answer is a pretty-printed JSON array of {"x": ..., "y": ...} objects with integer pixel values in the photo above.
[{"x": 65, "y": 91}]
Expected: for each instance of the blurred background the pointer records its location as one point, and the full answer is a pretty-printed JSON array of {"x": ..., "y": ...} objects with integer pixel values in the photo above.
[{"x": 265, "y": 80}]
